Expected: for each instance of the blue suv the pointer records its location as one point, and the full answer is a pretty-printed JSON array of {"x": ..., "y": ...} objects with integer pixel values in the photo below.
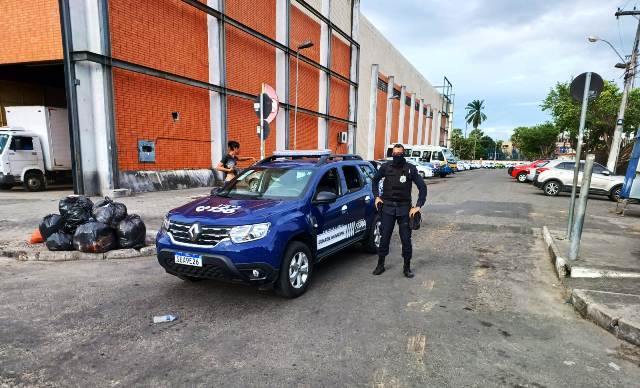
[{"x": 273, "y": 222}]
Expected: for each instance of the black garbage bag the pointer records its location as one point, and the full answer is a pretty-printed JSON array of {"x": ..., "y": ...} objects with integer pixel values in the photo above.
[
  {"x": 94, "y": 237},
  {"x": 60, "y": 241},
  {"x": 131, "y": 232},
  {"x": 75, "y": 211},
  {"x": 109, "y": 212},
  {"x": 50, "y": 224}
]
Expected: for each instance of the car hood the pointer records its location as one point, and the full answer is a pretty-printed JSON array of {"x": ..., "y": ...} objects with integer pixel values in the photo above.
[{"x": 227, "y": 211}]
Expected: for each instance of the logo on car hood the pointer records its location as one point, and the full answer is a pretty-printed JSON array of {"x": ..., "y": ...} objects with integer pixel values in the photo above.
[{"x": 194, "y": 231}]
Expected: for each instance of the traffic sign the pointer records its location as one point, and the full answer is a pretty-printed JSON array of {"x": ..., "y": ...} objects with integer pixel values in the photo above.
[{"x": 595, "y": 86}]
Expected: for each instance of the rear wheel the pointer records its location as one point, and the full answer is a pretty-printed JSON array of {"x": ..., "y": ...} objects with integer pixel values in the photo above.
[
  {"x": 295, "y": 271},
  {"x": 372, "y": 242},
  {"x": 614, "y": 194},
  {"x": 34, "y": 181},
  {"x": 552, "y": 188},
  {"x": 522, "y": 177}
]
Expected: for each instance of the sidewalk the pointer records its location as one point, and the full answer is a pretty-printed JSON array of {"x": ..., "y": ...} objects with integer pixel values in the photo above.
[{"x": 604, "y": 281}]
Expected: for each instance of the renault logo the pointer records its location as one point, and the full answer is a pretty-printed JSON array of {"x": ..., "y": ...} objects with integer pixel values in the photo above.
[{"x": 194, "y": 231}]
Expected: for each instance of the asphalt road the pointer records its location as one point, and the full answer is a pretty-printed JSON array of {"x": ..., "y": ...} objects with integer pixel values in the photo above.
[{"x": 484, "y": 309}]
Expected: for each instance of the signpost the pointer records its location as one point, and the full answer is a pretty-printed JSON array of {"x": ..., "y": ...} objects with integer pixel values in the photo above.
[
  {"x": 266, "y": 106},
  {"x": 585, "y": 87}
]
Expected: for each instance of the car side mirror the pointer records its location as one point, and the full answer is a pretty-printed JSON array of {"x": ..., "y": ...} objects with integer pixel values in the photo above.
[
  {"x": 606, "y": 172},
  {"x": 325, "y": 197}
]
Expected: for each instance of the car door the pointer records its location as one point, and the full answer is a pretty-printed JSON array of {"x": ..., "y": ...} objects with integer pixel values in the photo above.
[
  {"x": 359, "y": 199},
  {"x": 23, "y": 154},
  {"x": 330, "y": 219},
  {"x": 601, "y": 179}
]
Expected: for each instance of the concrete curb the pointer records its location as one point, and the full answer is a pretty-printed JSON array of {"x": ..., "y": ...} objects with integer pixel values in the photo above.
[
  {"x": 38, "y": 252},
  {"x": 603, "y": 317},
  {"x": 559, "y": 262}
]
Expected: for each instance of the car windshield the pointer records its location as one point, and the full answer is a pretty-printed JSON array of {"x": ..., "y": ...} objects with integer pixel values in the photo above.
[
  {"x": 448, "y": 155},
  {"x": 4, "y": 138},
  {"x": 268, "y": 183}
]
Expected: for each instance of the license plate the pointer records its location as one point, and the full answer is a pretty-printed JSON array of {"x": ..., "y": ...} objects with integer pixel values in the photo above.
[{"x": 188, "y": 259}]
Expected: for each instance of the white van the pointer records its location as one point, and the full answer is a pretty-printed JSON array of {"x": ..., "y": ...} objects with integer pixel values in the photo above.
[
  {"x": 434, "y": 154},
  {"x": 35, "y": 147}
]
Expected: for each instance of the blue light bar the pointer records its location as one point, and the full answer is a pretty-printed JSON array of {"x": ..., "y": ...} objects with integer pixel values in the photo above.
[{"x": 301, "y": 153}]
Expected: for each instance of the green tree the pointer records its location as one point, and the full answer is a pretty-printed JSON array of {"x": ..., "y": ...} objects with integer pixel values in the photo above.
[
  {"x": 538, "y": 141},
  {"x": 601, "y": 117},
  {"x": 475, "y": 116}
]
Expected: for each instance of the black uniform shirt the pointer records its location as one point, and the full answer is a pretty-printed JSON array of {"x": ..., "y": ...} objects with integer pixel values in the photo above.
[{"x": 413, "y": 176}]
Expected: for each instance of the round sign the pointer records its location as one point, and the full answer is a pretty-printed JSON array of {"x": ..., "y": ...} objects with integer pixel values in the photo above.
[{"x": 595, "y": 86}]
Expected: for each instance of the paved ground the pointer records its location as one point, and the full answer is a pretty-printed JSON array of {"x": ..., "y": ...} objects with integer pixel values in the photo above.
[{"x": 485, "y": 309}]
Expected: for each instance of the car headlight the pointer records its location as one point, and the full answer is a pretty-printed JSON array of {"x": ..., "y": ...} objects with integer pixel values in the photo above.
[
  {"x": 245, "y": 233},
  {"x": 165, "y": 224}
]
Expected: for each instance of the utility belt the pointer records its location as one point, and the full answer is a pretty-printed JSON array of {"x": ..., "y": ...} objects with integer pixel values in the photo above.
[{"x": 397, "y": 204}]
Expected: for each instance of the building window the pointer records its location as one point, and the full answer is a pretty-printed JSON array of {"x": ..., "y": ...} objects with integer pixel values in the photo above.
[{"x": 382, "y": 85}]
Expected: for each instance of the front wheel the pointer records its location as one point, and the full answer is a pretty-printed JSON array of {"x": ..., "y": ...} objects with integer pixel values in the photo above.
[
  {"x": 614, "y": 194},
  {"x": 295, "y": 271}
]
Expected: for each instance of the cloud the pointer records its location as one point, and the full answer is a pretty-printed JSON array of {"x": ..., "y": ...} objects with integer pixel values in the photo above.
[{"x": 508, "y": 53}]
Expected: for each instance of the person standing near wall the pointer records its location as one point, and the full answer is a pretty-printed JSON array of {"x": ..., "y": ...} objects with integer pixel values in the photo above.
[
  {"x": 399, "y": 177},
  {"x": 229, "y": 163}
]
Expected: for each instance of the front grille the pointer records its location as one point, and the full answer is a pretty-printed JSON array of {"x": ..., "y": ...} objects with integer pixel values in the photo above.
[
  {"x": 209, "y": 271},
  {"x": 210, "y": 235}
]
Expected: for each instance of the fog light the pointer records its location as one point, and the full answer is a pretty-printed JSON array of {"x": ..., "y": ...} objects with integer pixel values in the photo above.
[{"x": 255, "y": 273}]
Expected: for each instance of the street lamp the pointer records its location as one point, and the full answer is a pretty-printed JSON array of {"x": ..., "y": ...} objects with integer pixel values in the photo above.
[
  {"x": 301, "y": 46},
  {"x": 594, "y": 39}
]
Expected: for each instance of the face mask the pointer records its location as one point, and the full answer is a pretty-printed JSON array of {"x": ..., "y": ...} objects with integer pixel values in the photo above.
[{"x": 398, "y": 160}]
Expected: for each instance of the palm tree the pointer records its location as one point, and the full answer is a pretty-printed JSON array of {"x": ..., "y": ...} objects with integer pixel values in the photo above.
[{"x": 474, "y": 116}]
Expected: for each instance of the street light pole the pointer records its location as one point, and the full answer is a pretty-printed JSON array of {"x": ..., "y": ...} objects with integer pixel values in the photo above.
[
  {"x": 630, "y": 75},
  {"x": 302, "y": 46}
]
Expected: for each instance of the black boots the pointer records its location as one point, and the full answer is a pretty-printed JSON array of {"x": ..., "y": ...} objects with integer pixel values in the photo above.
[
  {"x": 380, "y": 267},
  {"x": 407, "y": 269}
]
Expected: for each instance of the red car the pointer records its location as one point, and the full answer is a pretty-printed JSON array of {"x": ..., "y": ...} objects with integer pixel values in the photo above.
[{"x": 520, "y": 172}]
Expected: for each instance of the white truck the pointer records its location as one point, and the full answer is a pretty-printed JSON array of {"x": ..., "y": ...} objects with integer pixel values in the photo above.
[{"x": 34, "y": 147}]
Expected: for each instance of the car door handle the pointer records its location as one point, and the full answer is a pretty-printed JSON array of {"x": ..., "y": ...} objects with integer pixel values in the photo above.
[{"x": 344, "y": 209}]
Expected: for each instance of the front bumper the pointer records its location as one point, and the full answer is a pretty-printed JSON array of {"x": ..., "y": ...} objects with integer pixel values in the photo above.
[
  {"x": 218, "y": 267},
  {"x": 6, "y": 179}
]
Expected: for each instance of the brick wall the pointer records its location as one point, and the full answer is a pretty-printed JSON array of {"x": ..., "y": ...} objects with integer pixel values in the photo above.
[
  {"x": 171, "y": 36},
  {"x": 381, "y": 111},
  {"x": 29, "y": 31},
  {"x": 334, "y": 129}
]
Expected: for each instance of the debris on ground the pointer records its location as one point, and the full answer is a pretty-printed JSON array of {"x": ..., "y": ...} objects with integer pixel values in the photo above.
[{"x": 165, "y": 318}]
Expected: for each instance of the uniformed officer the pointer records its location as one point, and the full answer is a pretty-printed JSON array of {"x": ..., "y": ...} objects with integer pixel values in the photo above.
[{"x": 396, "y": 204}]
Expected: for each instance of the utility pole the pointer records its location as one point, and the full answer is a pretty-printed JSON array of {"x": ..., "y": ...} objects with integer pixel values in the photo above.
[{"x": 630, "y": 75}]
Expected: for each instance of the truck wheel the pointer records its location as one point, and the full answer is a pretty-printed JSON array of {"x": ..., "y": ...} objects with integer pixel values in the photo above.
[
  {"x": 34, "y": 181},
  {"x": 372, "y": 242},
  {"x": 6, "y": 186},
  {"x": 295, "y": 271},
  {"x": 614, "y": 194}
]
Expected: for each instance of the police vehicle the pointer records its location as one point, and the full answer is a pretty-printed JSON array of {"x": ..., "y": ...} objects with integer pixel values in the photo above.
[{"x": 273, "y": 222}]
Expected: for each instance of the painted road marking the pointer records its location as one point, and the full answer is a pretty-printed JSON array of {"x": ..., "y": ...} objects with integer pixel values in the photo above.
[
  {"x": 420, "y": 306},
  {"x": 381, "y": 379},
  {"x": 417, "y": 345},
  {"x": 429, "y": 284}
]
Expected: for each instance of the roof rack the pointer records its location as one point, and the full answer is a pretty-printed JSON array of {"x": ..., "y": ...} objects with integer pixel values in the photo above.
[{"x": 323, "y": 156}]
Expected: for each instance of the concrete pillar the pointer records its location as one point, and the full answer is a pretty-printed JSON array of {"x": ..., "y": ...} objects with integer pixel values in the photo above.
[
  {"x": 282, "y": 74},
  {"x": 428, "y": 132},
  {"x": 216, "y": 77},
  {"x": 420, "y": 117},
  {"x": 353, "y": 76},
  {"x": 436, "y": 127},
  {"x": 373, "y": 107},
  {"x": 97, "y": 152},
  {"x": 412, "y": 113},
  {"x": 403, "y": 93},
  {"x": 323, "y": 95},
  {"x": 387, "y": 124}
]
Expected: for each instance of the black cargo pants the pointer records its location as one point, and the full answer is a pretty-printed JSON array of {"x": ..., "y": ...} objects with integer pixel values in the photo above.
[{"x": 390, "y": 215}]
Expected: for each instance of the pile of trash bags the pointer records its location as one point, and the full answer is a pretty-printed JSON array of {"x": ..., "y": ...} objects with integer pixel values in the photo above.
[{"x": 94, "y": 228}]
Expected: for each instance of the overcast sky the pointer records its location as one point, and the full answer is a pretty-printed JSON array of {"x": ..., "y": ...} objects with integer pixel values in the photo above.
[{"x": 509, "y": 53}]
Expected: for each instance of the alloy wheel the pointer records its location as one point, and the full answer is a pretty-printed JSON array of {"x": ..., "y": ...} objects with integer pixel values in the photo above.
[
  {"x": 551, "y": 188},
  {"x": 299, "y": 270}
]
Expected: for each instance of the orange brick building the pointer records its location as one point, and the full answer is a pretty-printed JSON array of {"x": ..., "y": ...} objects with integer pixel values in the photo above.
[{"x": 156, "y": 90}]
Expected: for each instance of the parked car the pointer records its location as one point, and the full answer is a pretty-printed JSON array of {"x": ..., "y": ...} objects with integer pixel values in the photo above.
[
  {"x": 557, "y": 176},
  {"x": 521, "y": 172},
  {"x": 271, "y": 224},
  {"x": 423, "y": 170}
]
